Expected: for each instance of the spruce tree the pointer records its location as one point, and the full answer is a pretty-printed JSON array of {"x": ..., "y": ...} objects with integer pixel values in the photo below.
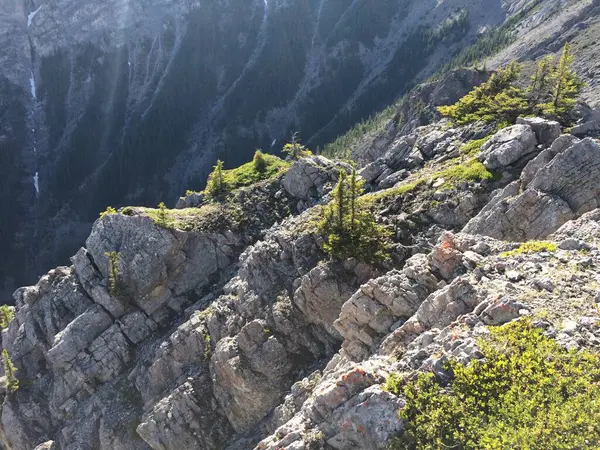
[
  {"x": 348, "y": 229},
  {"x": 567, "y": 87},
  {"x": 163, "y": 216},
  {"x": 494, "y": 100},
  {"x": 216, "y": 182},
  {"x": 540, "y": 90},
  {"x": 295, "y": 150},
  {"x": 12, "y": 383}
]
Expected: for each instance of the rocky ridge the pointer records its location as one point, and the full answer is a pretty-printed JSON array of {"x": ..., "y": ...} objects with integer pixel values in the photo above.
[
  {"x": 129, "y": 74},
  {"x": 232, "y": 329}
]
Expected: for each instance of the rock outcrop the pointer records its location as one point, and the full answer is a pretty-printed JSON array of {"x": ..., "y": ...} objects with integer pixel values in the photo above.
[
  {"x": 561, "y": 190},
  {"x": 227, "y": 326}
]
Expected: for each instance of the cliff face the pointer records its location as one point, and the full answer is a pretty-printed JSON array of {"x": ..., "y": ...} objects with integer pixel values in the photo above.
[
  {"x": 230, "y": 328},
  {"x": 131, "y": 102},
  {"x": 226, "y": 326}
]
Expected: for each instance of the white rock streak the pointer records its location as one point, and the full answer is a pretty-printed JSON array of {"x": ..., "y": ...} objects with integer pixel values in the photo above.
[
  {"x": 36, "y": 183},
  {"x": 32, "y": 86},
  {"x": 32, "y": 15}
]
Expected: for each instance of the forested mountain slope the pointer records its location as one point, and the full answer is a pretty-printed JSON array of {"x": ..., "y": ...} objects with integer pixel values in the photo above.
[{"x": 128, "y": 101}]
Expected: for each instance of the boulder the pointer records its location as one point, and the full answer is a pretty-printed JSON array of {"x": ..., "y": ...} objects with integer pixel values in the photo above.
[
  {"x": 306, "y": 178},
  {"x": 373, "y": 415},
  {"x": 546, "y": 131},
  {"x": 325, "y": 289},
  {"x": 185, "y": 419},
  {"x": 373, "y": 170},
  {"x": 563, "y": 189},
  {"x": 193, "y": 200},
  {"x": 249, "y": 375},
  {"x": 370, "y": 313},
  {"x": 155, "y": 264},
  {"x": 393, "y": 179},
  {"x": 559, "y": 145},
  {"x": 78, "y": 335},
  {"x": 508, "y": 146},
  {"x": 589, "y": 128}
]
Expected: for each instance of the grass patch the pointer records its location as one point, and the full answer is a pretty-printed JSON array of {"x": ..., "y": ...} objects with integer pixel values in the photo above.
[
  {"x": 471, "y": 170},
  {"x": 472, "y": 148},
  {"x": 531, "y": 247},
  {"x": 528, "y": 393},
  {"x": 247, "y": 174},
  {"x": 208, "y": 218},
  {"x": 397, "y": 191},
  {"x": 108, "y": 211}
]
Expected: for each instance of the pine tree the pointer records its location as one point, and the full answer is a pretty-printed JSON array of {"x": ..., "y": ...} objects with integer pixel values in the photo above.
[
  {"x": 162, "y": 215},
  {"x": 567, "y": 87},
  {"x": 12, "y": 383},
  {"x": 349, "y": 230},
  {"x": 295, "y": 150},
  {"x": 541, "y": 84},
  {"x": 216, "y": 182},
  {"x": 494, "y": 100},
  {"x": 7, "y": 314}
]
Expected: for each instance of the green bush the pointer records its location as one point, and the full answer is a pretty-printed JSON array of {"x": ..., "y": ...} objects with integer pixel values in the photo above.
[
  {"x": 494, "y": 100},
  {"x": 114, "y": 282},
  {"x": 162, "y": 217},
  {"x": 295, "y": 150},
  {"x": 11, "y": 380},
  {"x": 552, "y": 92},
  {"x": 471, "y": 170},
  {"x": 259, "y": 161},
  {"x": 528, "y": 393},
  {"x": 472, "y": 148},
  {"x": 349, "y": 229},
  {"x": 109, "y": 211},
  {"x": 215, "y": 185},
  {"x": 262, "y": 167},
  {"x": 7, "y": 314},
  {"x": 531, "y": 247}
]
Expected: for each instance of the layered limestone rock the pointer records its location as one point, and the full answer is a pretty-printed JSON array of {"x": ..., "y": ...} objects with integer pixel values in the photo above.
[
  {"x": 244, "y": 334},
  {"x": 564, "y": 188}
]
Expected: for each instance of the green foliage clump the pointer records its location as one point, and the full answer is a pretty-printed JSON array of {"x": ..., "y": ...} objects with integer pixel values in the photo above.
[
  {"x": 7, "y": 314},
  {"x": 397, "y": 191},
  {"x": 295, "y": 150},
  {"x": 109, "y": 211},
  {"x": 350, "y": 230},
  {"x": 552, "y": 92},
  {"x": 11, "y": 380},
  {"x": 494, "y": 100},
  {"x": 259, "y": 161},
  {"x": 114, "y": 282},
  {"x": 393, "y": 384},
  {"x": 162, "y": 218},
  {"x": 262, "y": 167},
  {"x": 215, "y": 185},
  {"x": 560, "y": 89},
  {"x": 528, "y": 393},
  {"x": 471, "y": 170},
  {"x": 531, "y": 247},
  {"x": 473, "y": 147}
]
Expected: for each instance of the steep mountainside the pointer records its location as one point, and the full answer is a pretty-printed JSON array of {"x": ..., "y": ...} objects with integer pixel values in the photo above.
[
  {"x": 226, "y": 326},
  {"x": 120, "y": 102}
]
